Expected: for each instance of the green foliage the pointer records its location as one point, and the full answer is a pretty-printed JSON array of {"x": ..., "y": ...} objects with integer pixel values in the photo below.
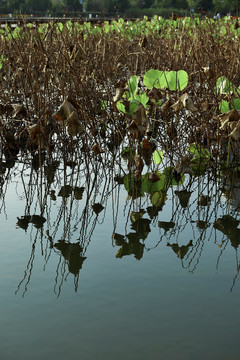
[
  {"x": 107, "y": 6},
  {"x": 157, "y": 157},
  {"x": 199, "y": 153},
  {"x": 2, "y": 59},
  {"x": 173, "y": 80},
  {"x": 133, "y": 95},
  {"x": 224, "y": 87},
  {"x": 155, "y": 78}
]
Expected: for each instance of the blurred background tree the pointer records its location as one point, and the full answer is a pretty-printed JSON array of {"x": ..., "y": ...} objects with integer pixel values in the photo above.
[{"x": 113, "y": 7}]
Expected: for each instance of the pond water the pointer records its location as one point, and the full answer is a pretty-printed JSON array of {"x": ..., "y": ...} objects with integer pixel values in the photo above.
[{"x": 120, "y": 280}]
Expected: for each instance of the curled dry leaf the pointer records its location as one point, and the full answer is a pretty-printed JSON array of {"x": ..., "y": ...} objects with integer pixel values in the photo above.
[
  {"x": 228, "y": 117},
  {"x": 121, "y": 83},
  {"x": 147, "y": 144},
  {"x": 186, "y": 102},
  {"x": 36, "y": 134},
  {"x": 119, "y": 94},
  {"x": 140, "y": 120},
  {"x": 231, "y": 121},
  {"x": 64, "y": 111},
  {"x": 97, "y": 149},
  {"x": 143, "y": 42},
  {"x": 183, "y": 167},
  {"x": 139, "y": 116},
  {"x": 205, "y": 106},
  {"x": 139, "y": 164},
  {"x": 74, "y": 126},
  {"x": 155, "y": 94},
  {"x": 235, "y": 134},
  {"x": 135, "y": 129},
  {"x": 165, "y": 107},
  {"x": 153, "y": 177},
  {"x": 19, "y": 110},
  {"x": 135, "y": 166}
]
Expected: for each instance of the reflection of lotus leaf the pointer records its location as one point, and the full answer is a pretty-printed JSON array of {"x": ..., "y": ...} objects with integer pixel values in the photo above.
[
  {"x": 228, "y": 226},
  {"x": 131, "y": 249},
  {"x": 65, "y": 191},
  {"x": 119, "y": 239},
  {"x": 133, "y": 186},
  {"x": 23, "y": 222},
  {"x": 137, "y": 187},
  {"x": 204, "y": 200},
  {"x": 38, "y": 221},
  {"x": 151, "y": 187},
  {"x": 72, "y": 253},
  {"x": 158, "y": 198},
  {"x": 134, "y": 237},
  {"x": 153, "y": 211},
  {"x": 184, "y": 197},
  {"x": 97, "y": 208},
  {"x": 166, "y": 225},
  {"x": 181, "y": 251},
  {"x": 78, "y": 192},
  {"x": 172, "y": 177},
  {"x": 142, "y": 228},
  {"x": 201, "y": 224},
  {"x": 136, "y": 215}
]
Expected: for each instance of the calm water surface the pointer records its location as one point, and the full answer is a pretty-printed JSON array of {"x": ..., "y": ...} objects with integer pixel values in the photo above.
[{"x": 127, "y": 288}]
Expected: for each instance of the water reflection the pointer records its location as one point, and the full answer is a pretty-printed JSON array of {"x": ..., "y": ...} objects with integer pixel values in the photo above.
[{"x": 64, "y": 201}]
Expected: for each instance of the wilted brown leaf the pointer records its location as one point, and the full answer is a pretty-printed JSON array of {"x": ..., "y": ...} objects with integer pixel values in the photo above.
[
  {"x": 64, "y": 111},
  {"x": 97, "y": 149},
  {"x": 119, "y": 93},
  {"x": 74, "y": 125},
  {"x": 36, "y": 134},
  {"x": 19, "y": 110},
  {"x": 186, "y": 102}
]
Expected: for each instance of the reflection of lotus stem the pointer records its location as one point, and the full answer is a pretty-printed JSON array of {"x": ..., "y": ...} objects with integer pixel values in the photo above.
[{"x": 228, "y": 155}]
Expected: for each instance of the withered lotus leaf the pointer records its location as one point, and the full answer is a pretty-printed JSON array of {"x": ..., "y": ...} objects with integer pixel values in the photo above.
[
  {"x": 183, "y": 167},
  {"x": 97, "y": 149},
  {"x": 36, "y": 134},
  {"x": 19, "y": 110},
  {"x": 165, "y": 107},
  {"x": 74, "y": 125},
  {"x": 119, "y": 93},
  {"x": 135, "y": 129},
  {"x": 231, "y": 121},
  {"x": 155, "y": 94},
  {"x": 232, "y": 115},
  {"x": 235, "y": 134},
  {"x": 185, "y": 101},
  {"x": 153, "y": 177},
  {"x": 139, "y": 116},
  {"x": 64, "y": 111}
]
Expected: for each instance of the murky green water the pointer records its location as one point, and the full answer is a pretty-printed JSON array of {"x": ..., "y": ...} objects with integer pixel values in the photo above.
[{"x": 80, "y": 283}]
